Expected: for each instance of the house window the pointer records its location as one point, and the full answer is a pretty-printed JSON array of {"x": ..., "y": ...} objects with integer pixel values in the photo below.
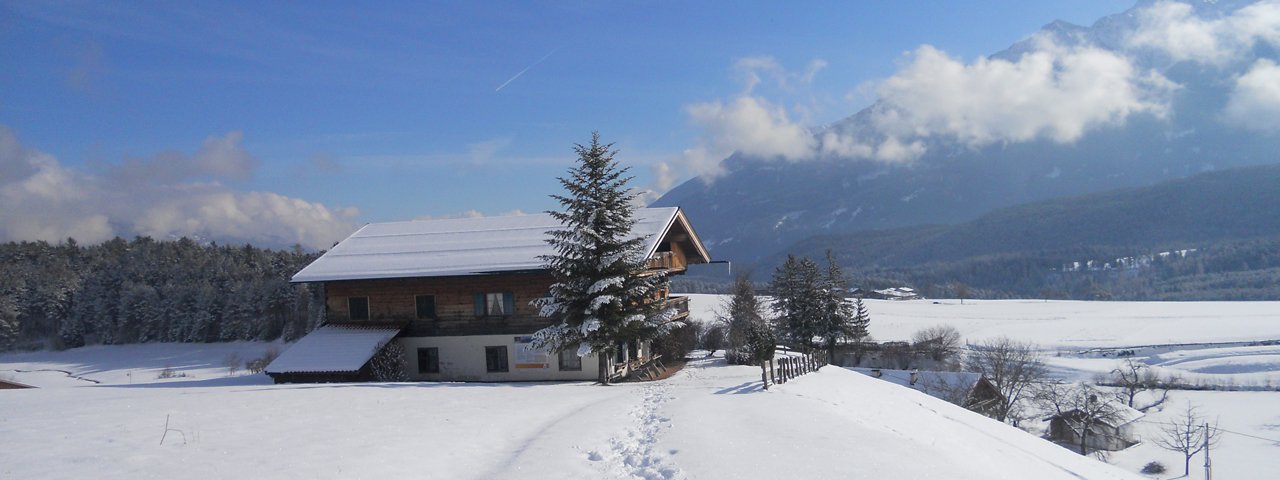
[
  {"x": 495, "y": 358},
  {"x": 358, "y": 307},
  {"x": 569, "y": 360},
  {"x": 429, "y": 360},
  {"x": 426, "y": 306},
  {"x": 494, "y": 304}
]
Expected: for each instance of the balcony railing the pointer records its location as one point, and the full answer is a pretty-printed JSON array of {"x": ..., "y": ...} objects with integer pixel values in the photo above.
[
  {"x": 680, "y": 304},
  {"x": 665, "y": 261}
]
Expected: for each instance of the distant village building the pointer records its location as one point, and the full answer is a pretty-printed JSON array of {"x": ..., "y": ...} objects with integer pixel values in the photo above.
[
  {"x": 1109, "y": 434},
  {"x": 966, "y": 389},
  {"x": 455, "y": 295},
  {"x": 893, "y": 293},
  {"x": 12, "y": 385}
]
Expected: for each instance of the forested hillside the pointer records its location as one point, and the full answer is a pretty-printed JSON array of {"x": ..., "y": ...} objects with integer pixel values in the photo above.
[
  {"x": 1228, "y": 221},
  {"x": 145, "y": 290}
]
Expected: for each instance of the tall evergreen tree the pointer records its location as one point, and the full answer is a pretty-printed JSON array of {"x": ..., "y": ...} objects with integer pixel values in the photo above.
[
  {"x": 741, "y": 311},
  {"x": 860, "y": 326},
  {"x": 796, "y": 305},
  {"x": 603, "y": 294},
  {"x": 836, "y": 318}
]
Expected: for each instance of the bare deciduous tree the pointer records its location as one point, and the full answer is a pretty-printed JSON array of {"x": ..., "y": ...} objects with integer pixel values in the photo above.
[
  {"x": 1011, "y": 366},
  {"x": 1187, "y": 434},
  {"x": 962, "y": 291},
  {"x": 1133, "y": 377},
  {"x": 940, "y": 342}
]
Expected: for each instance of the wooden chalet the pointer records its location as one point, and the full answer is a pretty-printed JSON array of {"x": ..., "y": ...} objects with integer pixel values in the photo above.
[
  {"x": 456, "y": 295},
  {"x": 1111, "y": 434}
]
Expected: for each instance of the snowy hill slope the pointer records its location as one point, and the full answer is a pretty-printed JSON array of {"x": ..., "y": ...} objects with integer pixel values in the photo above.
[{"x": 709, "y": 421}]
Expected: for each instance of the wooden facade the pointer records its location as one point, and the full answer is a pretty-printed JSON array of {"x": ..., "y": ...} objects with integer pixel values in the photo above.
[
  {"x": 395, "y": 300},
  {"x": 452, "y": 313}
]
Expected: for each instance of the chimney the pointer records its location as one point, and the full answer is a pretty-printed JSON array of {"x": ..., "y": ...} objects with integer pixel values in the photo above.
[{"x": 875, "y": 373}]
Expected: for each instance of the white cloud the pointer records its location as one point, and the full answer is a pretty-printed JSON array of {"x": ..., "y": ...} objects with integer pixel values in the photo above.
[
  {"x": 1255, "y": 100},
  {"x": 46, "y": 201},
  {"x": 664, "y": 177},
  {"x": 485, "y": 152},
  {"x": 892, "y": 150},
  {"x": 753, "y": 126},
  {"x": 1054, "y": 93},
  {"x": 1174, "y": 29},
  {"x": 759, "y": 69},
  {"x": 218, "y": 157}
]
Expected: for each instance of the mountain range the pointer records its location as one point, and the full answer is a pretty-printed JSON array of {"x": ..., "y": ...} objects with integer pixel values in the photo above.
[{"x": 763, "y": 207}]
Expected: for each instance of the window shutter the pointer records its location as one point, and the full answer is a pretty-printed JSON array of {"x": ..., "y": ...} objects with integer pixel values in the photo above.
[
  {"x": 508, "y": 303},
  {"x": 479, "y": 297}
]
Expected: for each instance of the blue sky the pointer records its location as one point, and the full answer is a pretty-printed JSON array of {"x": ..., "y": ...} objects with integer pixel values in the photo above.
[{"x": 351, "y": 114}]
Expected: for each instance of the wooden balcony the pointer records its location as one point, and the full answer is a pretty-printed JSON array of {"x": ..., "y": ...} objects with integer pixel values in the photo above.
[
  {"x": 680, "y": 304},
  {"x": 666, "y": 261}
]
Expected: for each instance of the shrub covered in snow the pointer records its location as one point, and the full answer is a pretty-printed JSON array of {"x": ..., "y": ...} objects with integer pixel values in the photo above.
[{"x": 1152, "y": 468}]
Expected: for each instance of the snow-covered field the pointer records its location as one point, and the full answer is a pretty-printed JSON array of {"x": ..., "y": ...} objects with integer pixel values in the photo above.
[
  {"x": 708, "y": 421},
  {"x": 1211, "y": 344}
]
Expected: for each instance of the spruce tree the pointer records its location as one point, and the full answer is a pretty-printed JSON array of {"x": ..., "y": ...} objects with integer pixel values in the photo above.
[
  {"x": 796, "y": 304},
  {"x": 836, "y": 320},
  {"x": 603, "y": 293},
  {"x": 742, "y": 311},
  {"x": 859, "y": 327}
]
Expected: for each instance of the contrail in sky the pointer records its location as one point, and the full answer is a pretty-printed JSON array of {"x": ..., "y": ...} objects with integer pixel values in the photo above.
[{"x": 512, "y": 79}]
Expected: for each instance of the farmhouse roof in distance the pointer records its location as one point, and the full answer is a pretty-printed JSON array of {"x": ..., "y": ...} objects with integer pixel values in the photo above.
[{"x": 466, "y": 246}]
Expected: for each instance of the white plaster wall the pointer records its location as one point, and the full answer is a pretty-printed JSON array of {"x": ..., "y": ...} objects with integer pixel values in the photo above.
[{"x": 462, "y": 359}]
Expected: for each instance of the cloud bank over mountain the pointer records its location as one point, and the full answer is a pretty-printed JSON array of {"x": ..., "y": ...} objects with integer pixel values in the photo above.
[
  {"x": 1063, "y": 85},
  {"x": 166, "y": 195}
]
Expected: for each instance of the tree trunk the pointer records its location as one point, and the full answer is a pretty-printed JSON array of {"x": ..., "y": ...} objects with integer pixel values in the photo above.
[
  {"x": 764, "y": 376},
  {"x": 604, "y": 367}
]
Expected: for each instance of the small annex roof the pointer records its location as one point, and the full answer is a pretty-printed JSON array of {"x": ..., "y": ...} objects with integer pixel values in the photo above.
[
  {"x": 462, "y": 246},
  {"x": 333, "y": 348}
]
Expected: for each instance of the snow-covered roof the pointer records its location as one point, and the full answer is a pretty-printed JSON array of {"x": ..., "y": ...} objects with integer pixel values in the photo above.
[
  {"x": 459, "y": 246},
  {"x": 333, "y": 348},
  {"x": 1124, "y": 414},
  {"x": 936, "y": 384}
]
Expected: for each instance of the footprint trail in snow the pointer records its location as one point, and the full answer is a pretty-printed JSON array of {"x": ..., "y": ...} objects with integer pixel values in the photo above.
[{"x": 633, "y": 454}]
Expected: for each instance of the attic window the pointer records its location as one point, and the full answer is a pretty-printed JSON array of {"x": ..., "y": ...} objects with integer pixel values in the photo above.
[
  {"x": 495, "y": 304},
  {"x": 358, "y": 307}
]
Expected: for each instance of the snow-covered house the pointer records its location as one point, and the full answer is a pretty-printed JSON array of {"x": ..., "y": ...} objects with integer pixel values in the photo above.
[
  {"x": 966, "y": 389},
  {"x": 12, "y": 385},
  {"x": 1115, "y": 432},
  {"x": 455, "y": 295}
]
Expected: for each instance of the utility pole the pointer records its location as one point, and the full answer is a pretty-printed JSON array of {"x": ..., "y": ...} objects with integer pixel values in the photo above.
[{"x": 1208, "y": 466}]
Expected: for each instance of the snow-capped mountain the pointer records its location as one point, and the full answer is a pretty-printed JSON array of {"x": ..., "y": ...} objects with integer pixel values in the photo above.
[{"x": 1163, "y": 90}]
